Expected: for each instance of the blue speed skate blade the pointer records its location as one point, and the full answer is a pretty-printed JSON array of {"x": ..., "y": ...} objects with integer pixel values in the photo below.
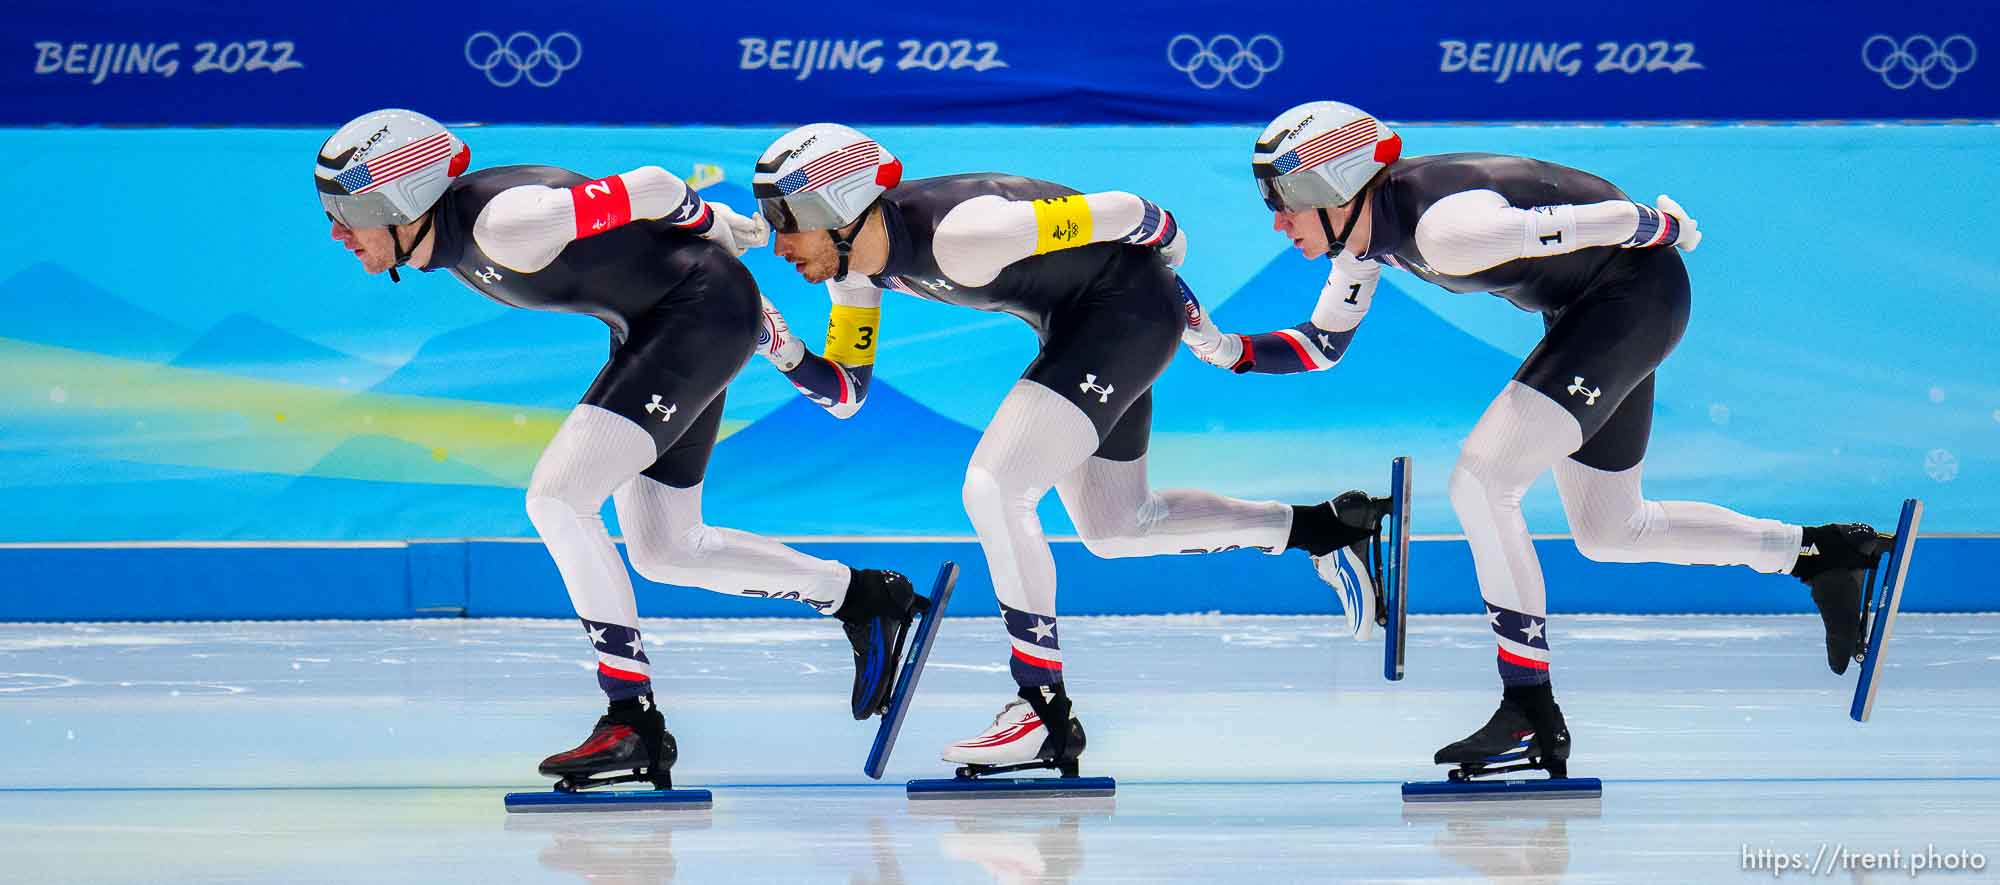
[
  {"x": 608, "y": 800},
  {"x": 1012, "y": 787},
  {"x": 913, "y": 668},
  {"x": 1504, "y": 790},
  {"x": 1884, "y": 598},
  {"x": 1396, "y": 599}
]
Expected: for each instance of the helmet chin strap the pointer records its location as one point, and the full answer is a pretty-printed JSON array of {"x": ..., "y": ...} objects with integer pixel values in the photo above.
[
  {"x": 1335, "y": 244},
  {"x": 844, "y": 246},
  {"x": 403, "y": 255}
]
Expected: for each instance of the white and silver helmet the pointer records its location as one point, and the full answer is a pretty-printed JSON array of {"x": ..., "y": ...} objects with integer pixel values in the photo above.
[
  {"x": 821, "y": 177},
  {"x": 386, "y": 168},
  {"x": 1320, "y": 155}
]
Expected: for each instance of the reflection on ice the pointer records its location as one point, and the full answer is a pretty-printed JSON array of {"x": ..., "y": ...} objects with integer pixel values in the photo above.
[
  {"x": 1525, "y": 841},
  {"x": 612, "y": 849}
]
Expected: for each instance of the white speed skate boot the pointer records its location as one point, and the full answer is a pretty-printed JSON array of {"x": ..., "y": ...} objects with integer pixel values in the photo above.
[
  {"x": 1019, "y": 739},
  {"x": 1352, "y": 570},
  {"x": 1347, "y": 574}
]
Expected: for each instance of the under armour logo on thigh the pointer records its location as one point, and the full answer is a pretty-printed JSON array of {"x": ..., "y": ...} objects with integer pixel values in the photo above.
[
  {"x": 1590, "y": 395},
  {"x": 667, "y": 410},
  {"x": 1090, "y": 385}
]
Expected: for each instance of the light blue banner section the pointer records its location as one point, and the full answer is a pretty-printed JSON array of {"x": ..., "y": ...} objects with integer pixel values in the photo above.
[{"x": 190, "y": 357}]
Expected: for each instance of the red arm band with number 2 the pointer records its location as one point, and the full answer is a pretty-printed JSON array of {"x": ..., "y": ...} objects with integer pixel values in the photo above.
[{"x": 600, "y": 206}]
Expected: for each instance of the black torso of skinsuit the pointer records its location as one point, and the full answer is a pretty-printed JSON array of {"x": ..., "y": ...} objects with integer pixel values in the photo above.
[
  {"x": 1109, "y": 315},
  {"x": 619, "y": 276},
  {"x": 1412, "y": 186},
  {"x": 683, "y": 312},
  {"x": 1611, "y": 315},
  {"x": 1033, "y": 288}
]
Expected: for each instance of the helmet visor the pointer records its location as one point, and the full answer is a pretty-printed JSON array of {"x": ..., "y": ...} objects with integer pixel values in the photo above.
[
  {"x": 363, "y": 210},
  {"x": 1294, "y": 193},
  {"x": 797, "y": 212}
]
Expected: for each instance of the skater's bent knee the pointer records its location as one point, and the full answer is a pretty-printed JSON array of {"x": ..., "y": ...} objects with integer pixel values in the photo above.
[
  {"x": 565, "y": 488},
  {"x": 1479, "y": 481},
  {"x": 549, "y": 512},
  {"x": 1466, "y": 487},
  {"x": 658, "y": 564},
  {"x": 665, "y": 570},
  {"x": 1601, "y": 542},
  {"x": 1114, "y": 545},
  {"x": 1111, "y": 532},
  {"x": 983, "y": 493},
  {"x": 677, "y": 556}
]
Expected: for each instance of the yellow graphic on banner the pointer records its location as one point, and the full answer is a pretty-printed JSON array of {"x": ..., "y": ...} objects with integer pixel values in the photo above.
[
  {"x": 147, "y": 413},
  {"x": 1060, "y": 223},
  {"x": 850, "y": 334},
  {"x": 704, "y": 174}
]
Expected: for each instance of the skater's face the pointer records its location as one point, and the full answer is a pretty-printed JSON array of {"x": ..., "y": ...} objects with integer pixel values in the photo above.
[
  {"x": 375, "y": 247},
  {"x": 811, "y": 253},
  {"x": 1304, "y": 230},
  {"x": 815, "y": 257},
  {"x": 1309, "y": 236},
  {"x": 370, "y": 245}
]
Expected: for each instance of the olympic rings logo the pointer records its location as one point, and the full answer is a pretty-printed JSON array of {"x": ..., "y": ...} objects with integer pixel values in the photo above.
[
  {"x": 523, "y": 55},
  {"x": 1936, "y": 63},
  {"x": 1224, "y": 57}
]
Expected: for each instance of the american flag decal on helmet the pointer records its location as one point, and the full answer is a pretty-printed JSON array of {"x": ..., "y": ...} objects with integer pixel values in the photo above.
[
  {"x": 847, "y": 160},
  {"x": 1326, "y": 146},
  {"x": 365, "y": 177}
]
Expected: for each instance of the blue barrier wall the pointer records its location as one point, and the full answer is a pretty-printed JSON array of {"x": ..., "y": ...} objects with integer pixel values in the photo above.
[
  {"x": 187, "y": 357},
  {"x": 517, "y": 579},
  {"x": 872, "y": 61}
]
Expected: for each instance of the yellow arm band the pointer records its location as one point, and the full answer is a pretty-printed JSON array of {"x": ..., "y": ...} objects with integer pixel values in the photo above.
[
  {"x": 850, "y": 334},
  {"x": 1061, "y": 223}
]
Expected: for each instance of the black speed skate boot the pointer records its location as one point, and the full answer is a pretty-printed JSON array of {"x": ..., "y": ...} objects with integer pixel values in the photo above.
[
  {"x": 1525, "y": 734},
  {"x": 1364, "y": 513},
  {"x": 1834, "y": 560},
  {"x": 631, "y": 737},
  {"x": 876, "y": 616}
]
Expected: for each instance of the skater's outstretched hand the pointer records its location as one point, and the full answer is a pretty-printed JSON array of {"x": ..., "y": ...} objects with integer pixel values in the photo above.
[
  {"x": 735, "y": 231},
  {"x": 775, "y": 341},
  {"x": 1208, "y": 342},
  {"x": 1689, "y": 236}
]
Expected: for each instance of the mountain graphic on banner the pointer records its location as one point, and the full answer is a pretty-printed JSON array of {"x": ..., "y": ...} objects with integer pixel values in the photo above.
[
  {"x": 244, "y": 345},
  {"x": 520, "y": 357},
  {"x": 46, "y": 303},
  {"x": 895, "y": 467},
  {"x": 1406, "y": 364},
  {"x": 377, "y": 458},
  {"x": 326, "y": 507}
]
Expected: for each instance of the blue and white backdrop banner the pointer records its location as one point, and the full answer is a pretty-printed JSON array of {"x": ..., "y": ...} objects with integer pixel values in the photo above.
[{"x": 783, "y": 61}]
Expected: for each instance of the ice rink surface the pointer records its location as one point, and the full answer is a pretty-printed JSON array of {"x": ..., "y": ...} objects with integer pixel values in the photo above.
[{"x": 1248, "y": 749}]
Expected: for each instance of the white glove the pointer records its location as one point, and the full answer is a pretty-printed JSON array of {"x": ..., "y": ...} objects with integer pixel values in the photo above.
[
  {"x": 1208, "y": 342},
  {"x": 1174, "y": 250},
  {"x": 734, "y": 231},
  {"x": 775, "y": 341},
  {"x": 1689, "y": 236}
]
